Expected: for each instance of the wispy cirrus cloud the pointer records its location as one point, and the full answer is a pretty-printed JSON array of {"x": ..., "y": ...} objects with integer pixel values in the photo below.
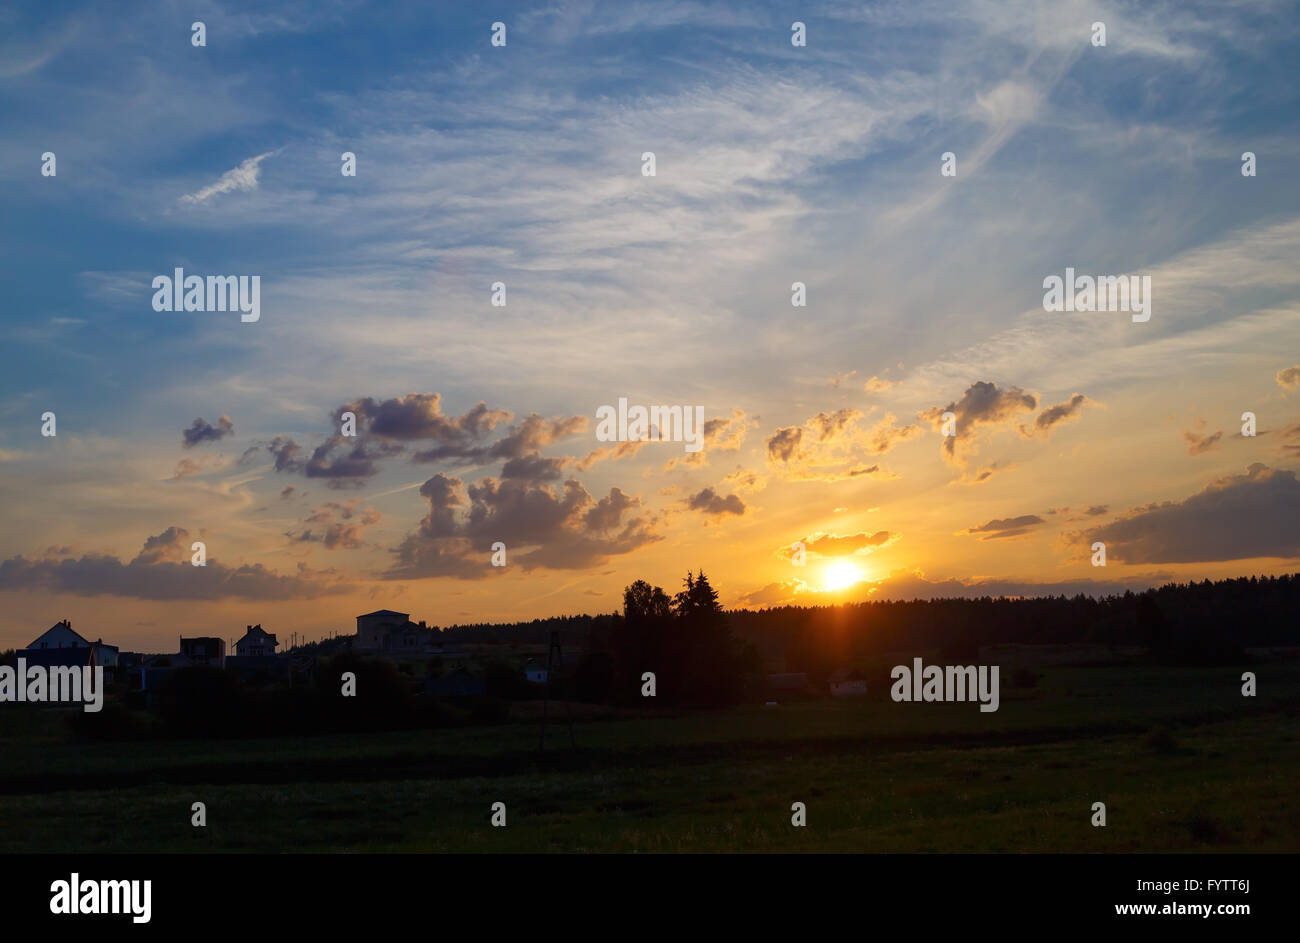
[{"x": 244, "y": 177}]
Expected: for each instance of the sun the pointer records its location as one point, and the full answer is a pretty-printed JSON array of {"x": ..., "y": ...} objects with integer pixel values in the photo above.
[{"x": 841, "y": 576}]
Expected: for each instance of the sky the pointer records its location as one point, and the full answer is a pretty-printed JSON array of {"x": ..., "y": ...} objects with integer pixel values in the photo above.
[{"x": 825, "y": 474}]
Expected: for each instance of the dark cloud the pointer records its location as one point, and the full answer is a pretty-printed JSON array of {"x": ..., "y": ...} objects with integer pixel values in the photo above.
[
  {"x": 828, "y": 425},
  {"x": 743, "y": 479},
  {"x": 711, "y": 503},
  {"x": 984, "y": 474},
  {"x": 285, "y": 451},
  {"x": 342, "y": 525},
  {"x": 535, "y": 432},
  {"x": 774, "y": 594},
  {"x": 783, "y": 445},
  {"x": 1006, "y": 527},
  {"x": 983, "y": 404},
  {"x": 843, "y": 474},
  {"x": 151, "y": 576},
  {"x": 173, "y": 544},
  {"x": 420, "y": 416},
  {"x": 1198, "y": 444},
  {"x": 828, "y": 446},
  {"x": 201, "y": 431},
  {"x": 541, "y": 526},
  {"x": 884, "y": 435},
  {"x": 1059, "y": 413},
  {"x": 383, "y": 427},
  {"x": 1234, "y": 518},
  {"x": 611, "y": 453},
  {"x": 343, "y": 461},
  {"x": 834, "y": 545},
  {"x": 534, "y": 468},
  {"x": 354, "y": 462},
  {"x": 608, "y": 511},
  {"x": 523, "y": 438},
  {"x": 723, "y": 434},
  {"x": 1290, "y": 439}
]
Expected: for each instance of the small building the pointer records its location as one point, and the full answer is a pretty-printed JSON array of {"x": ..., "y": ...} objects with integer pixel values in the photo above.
[
  {"x": 374, "y": 627},
  {"x": 256, "y": 642},
  {"x": 848, "y": 683},
  {"x": 393, "y": 632},
  {"x": 535, "y": 673},
  {"x": 410, "y": 638},
  {"x": 59, "y": 635},
  {"x": 60, "y": 646},
  {"x": 204, "y": 650}
]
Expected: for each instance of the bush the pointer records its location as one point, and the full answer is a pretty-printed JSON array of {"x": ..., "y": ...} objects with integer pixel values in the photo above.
[{"x": 111, "y": 723}]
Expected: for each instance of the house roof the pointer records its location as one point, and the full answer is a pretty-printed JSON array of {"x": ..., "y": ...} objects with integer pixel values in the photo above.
[
  {"x": 257, "y": 634},
  {"x": 62, "y": 634},
  {"x": 384, "y": 612}
]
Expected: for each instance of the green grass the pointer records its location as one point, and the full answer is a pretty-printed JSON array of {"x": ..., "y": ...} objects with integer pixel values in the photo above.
[{"x": 1182, "y": 761}]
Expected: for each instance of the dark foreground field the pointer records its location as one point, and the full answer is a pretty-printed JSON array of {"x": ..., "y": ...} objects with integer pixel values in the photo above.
[{"x": 1182, "y": 761}]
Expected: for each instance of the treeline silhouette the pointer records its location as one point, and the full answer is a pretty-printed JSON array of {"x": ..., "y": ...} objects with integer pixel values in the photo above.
[
  {"x": 203, "y": 702},
  {"x": 685, "y": 642},
  {"x": 702, "y": 656},
  {"x": 532, "y": 632},
  {"x": 1179, "y": 623}
]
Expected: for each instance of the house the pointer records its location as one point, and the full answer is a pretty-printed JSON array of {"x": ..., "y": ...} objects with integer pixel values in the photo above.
[
  {"x": 204, "y": 650},
  {"x": 387, "y": 631},
  {"x": 256, "y": 642},
  {"x": 847, "y": 683},
  {"x": 535, "y": 673},
  {"x": 59, "y": 635},
  {"x": 60, "y": 646},
  {"x": 373, "y": 628},
  {"x": 409, "y": 638}
]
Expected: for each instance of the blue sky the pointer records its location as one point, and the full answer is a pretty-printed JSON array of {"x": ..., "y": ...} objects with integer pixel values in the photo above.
[{"x": 521, "y": 164}]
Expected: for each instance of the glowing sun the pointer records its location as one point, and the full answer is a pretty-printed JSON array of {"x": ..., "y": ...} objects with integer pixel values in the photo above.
[{"x": 841, "y": 576}]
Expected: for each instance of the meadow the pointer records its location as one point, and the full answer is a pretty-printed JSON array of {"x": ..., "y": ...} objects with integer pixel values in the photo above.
[{"x": 1183, "y": 762}]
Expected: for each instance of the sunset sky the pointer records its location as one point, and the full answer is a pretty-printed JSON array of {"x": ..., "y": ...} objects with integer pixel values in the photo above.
[{"x": 522, "y": 164}]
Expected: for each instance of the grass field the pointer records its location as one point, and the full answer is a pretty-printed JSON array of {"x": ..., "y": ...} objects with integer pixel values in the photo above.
[{"x": 1182, "y": 761}]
